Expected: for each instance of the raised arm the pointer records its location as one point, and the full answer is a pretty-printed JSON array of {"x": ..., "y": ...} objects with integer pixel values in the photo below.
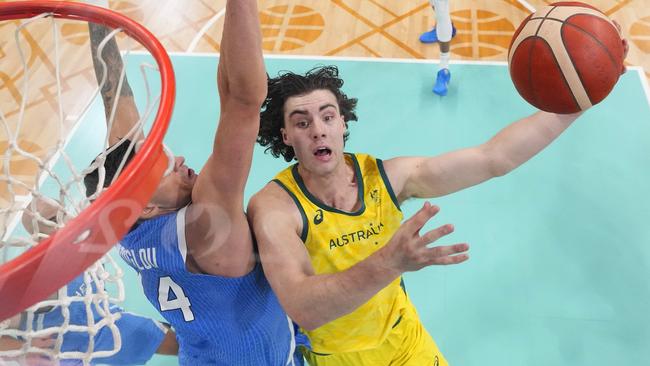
[
  {"x": 313, "y": 300},
  {"x": 242, "y": 88},
  {"x": 427, "y": 177},
  {"x": 217, "y": 231},
  {"x": 126, "y": 112}
]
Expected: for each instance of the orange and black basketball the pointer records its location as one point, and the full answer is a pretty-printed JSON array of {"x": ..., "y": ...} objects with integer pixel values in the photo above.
[{"x": 566, "y": 57}]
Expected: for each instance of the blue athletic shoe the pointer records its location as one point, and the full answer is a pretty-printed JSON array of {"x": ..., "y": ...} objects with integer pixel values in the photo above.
[
  {"x": 432, "y": 37},
  {"x": 442, "y": 81}
]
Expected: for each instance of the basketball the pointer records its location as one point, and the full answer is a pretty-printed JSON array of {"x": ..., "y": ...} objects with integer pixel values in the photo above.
[{"x": 566, "y": 57}]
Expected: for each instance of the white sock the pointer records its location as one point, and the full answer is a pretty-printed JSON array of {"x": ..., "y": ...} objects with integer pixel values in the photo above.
[
  {"x": 444, "y": 60},
  {"x": 443, "y": 20}
]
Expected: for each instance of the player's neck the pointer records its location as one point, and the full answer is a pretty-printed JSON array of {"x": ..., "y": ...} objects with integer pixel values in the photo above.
[{"x": 337, "y": 189}]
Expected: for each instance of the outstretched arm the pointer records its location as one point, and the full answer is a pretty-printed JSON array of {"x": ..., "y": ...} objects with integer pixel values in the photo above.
[
  {"x": 217, "y": 230},
  {"x": 126, "y": 113},
  {"x": 313, "y": 300},
  {"x": 514, "y": 145},
  {"x": 426, "y": 177}
]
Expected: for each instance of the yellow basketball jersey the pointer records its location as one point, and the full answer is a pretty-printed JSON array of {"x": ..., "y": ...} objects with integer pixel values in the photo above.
[{"x": 336, "y": 240}]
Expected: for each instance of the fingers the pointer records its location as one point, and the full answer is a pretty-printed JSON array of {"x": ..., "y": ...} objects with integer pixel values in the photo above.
[
  {"x": 414, "y": 224},
  {"x": 446, "y": 255},
  {"x": 436, "y": 234},
  {"x": 44, "y": 342},
  {"x": 421, "y": 255}
]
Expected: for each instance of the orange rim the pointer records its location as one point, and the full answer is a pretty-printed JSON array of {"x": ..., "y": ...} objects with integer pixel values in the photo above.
[{"x": 55, "y": 261}]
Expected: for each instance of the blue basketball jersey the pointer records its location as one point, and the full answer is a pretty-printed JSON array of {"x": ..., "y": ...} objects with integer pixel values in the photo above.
[
  {"x": 218, "y": 320},
  {"x": 140, "y": 336}
]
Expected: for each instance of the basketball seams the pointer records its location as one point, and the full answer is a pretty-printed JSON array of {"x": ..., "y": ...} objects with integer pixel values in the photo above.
[
  {"x": 522, "y": 36},
  {"x": 566, "y": 22},
  {"x": 569, "y": 11},
  {"x": 598, "y": 41},
  {"x": 573, "y": 71},
  {"x": 567, "y": 83},
  {"x": 580, "y": 92},
  {"x": 602, "y": 46},
  {"x": 534, "y": 39},
  {"x": 552, "y": 33}
]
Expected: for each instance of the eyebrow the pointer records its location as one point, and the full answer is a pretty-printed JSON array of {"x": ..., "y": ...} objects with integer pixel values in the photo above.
[
  {"x": 304, "y": 112},
  {"x": 297, "y": 111}
]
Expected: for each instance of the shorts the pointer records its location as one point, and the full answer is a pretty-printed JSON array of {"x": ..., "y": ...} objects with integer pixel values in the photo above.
[{"x": 408, "y": 344}]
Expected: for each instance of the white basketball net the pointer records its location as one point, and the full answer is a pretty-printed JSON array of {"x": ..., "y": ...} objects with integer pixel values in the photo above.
[{"x": 51, "y": 173}]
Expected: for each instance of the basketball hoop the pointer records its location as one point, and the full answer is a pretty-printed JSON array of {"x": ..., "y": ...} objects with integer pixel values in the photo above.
[{"x": 42, "y": 270}]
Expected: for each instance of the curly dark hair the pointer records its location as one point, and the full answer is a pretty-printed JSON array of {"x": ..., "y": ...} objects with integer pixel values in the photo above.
[{"x": 288, "y": 84}]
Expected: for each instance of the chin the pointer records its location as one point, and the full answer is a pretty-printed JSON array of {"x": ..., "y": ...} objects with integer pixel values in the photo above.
[{"x": 183, "y": 201}]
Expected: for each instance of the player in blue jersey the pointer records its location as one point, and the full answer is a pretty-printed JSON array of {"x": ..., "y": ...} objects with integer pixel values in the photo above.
[
  {"x": 140, "y": 336},
  {"x": 192, "y": 247}
]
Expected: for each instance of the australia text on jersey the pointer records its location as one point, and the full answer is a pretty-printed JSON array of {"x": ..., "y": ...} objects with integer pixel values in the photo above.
[{"x": 357, "y": 236}]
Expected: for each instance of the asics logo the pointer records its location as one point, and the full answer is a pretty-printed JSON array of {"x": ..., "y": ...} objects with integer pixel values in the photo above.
[{"x": 319, "y": 217}]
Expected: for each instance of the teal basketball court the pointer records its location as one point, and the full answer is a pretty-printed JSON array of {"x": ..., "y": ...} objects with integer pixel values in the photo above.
[{"x": 560, "y": 248}]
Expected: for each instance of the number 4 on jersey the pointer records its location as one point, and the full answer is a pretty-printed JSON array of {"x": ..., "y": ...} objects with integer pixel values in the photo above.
[{"x": 179, "y": 300}]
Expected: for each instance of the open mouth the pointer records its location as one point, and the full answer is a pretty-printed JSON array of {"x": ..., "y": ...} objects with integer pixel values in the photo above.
[
  {"x": 323, "y": 151},
  {"x": 189, "y": 172}
]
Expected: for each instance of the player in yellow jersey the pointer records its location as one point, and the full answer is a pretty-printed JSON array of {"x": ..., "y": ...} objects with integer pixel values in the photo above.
[{"x": 328, "y": 228}]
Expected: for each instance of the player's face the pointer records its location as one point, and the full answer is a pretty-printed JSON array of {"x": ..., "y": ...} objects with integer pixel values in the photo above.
[
  {"x": 314, "y": 127},
  {"x": 175, "y": 189}
]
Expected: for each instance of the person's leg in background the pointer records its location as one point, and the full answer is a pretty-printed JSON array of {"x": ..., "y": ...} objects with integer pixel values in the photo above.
[{"x": 441, "y": 33}]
